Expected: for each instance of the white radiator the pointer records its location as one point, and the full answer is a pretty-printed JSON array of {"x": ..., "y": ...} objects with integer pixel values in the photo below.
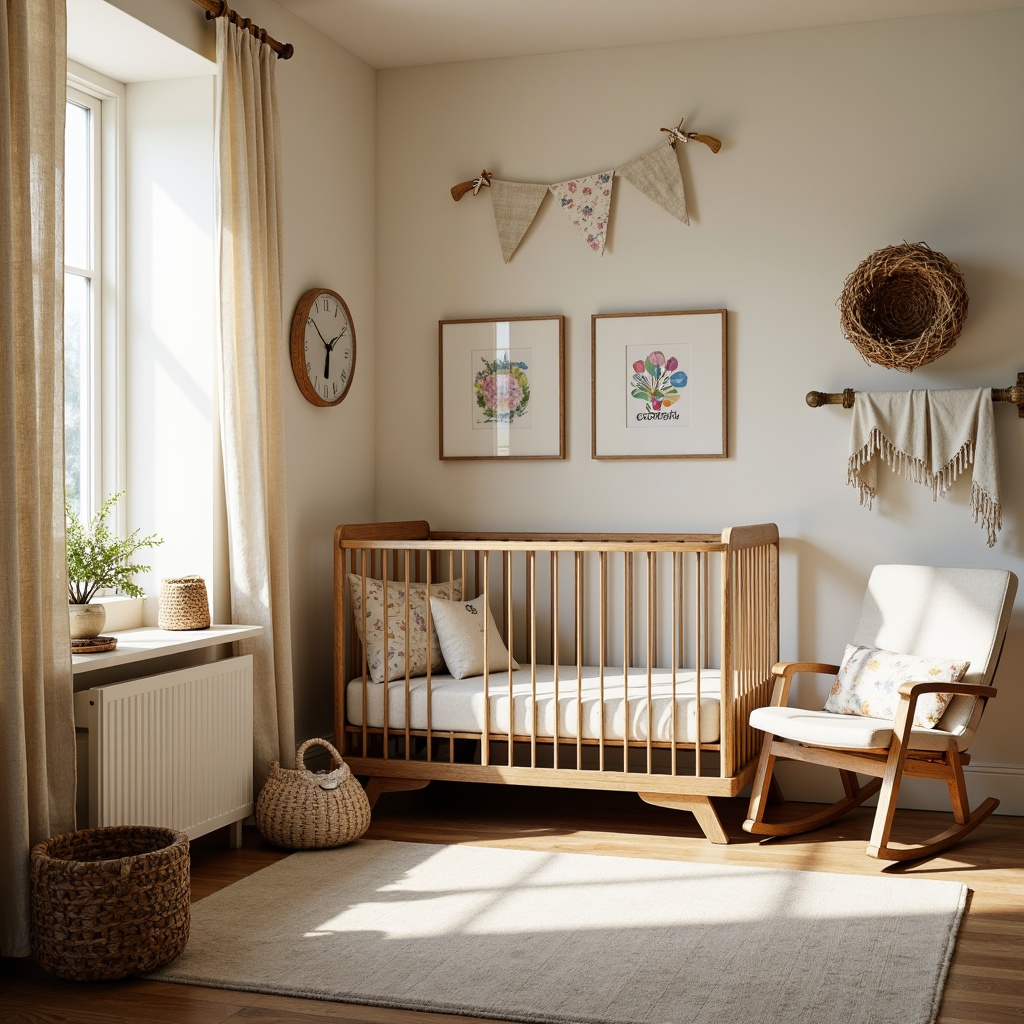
[{"x": 173, "y": 749}]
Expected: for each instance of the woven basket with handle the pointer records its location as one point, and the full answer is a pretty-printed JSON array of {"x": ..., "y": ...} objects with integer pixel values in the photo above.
[{"x": 304, "y": 810}]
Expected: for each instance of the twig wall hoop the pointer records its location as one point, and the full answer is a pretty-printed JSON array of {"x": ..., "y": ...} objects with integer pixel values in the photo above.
[{"x": 903, "y": 306}]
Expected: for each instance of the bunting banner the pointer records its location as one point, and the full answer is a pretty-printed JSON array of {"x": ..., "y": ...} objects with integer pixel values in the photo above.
[
  {"x": 587, "y": 200},
  {"x": 656, "y": 174},
  {"x": 515, "y": 205}
]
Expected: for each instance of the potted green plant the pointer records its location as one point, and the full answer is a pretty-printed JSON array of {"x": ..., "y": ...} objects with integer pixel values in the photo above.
[{"x": 100, "y": 560}]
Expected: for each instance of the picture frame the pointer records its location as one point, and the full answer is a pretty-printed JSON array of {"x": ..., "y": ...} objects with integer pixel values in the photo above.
[
  {"x": 502, "y": 388},
  {"x": 658, "y": 385}
]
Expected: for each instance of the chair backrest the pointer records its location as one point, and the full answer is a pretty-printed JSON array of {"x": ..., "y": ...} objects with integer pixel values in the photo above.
[{"x": 941, "y": 612}]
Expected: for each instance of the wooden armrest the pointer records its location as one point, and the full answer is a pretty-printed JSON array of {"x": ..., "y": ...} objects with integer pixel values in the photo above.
[
  {"x": 788, "y": 668},
  {"x": 908, "y": 690},
  {"x": 784, "y": 671}
]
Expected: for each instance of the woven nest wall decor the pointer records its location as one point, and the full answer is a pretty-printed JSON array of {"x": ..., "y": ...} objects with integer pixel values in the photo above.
[{"x": 904, "y": 306}]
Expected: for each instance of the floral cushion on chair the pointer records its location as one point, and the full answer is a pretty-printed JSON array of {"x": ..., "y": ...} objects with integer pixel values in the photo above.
[
  {"x": 869, "y": 681},
  {"x": 371, "y": 623}
]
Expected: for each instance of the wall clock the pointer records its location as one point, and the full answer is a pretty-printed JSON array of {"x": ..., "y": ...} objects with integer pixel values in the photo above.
[{"x": 323, "y": 346}]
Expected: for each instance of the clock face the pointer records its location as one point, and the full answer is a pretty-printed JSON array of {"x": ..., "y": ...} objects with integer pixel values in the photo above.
[{"x": 323, "y": 346}]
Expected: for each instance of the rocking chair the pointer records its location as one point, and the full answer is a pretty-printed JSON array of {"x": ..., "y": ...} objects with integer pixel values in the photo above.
[{"x": 959, "y": 614}]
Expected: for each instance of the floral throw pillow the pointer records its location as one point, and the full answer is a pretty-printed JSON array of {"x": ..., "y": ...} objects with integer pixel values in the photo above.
[
  {"x": 869, "y": 680},
  {"x": 370, "y": 625}
]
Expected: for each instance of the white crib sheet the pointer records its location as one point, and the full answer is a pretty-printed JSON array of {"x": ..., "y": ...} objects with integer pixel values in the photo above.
[{"x": 457, "y": 705}]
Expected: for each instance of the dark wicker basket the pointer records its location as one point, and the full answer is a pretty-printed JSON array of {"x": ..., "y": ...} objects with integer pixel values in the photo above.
[
  {"x": 109, "y": 902},
  {"x": 903, "y": 306}
]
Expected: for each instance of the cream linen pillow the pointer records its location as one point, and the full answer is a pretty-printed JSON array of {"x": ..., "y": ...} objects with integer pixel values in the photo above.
[
  {"x": 373, "y": 620},
  {"x": 869, "y": 680},
  {"x": 460, "y": 630}
]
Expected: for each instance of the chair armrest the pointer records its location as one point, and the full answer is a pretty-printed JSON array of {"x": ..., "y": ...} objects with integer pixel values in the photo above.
[
  {"x": 966, "y": 689},
  {"x": 784, "y": 671},
  {"x": 909, "y": 692}
]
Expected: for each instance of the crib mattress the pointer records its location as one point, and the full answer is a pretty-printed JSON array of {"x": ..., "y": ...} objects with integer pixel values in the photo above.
[{"x": 457, "y": 705}]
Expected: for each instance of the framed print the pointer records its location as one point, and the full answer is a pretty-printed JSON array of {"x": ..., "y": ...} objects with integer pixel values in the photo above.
[
  {"x": 658, "y": 385},
  {"x": 502, "y": 388}
]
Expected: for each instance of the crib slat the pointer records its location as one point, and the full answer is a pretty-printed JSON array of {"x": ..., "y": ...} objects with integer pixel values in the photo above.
[
  {"x": 532, "y": 604},
  {"x": 408, "y": 678},
  {"x": 555, "y": 652},
  {"x": 602, "y": 641},
  {"x": 485, "y": 739},
  {"x": 700, "y": 594},
  {"x": 651, "y": 641}
]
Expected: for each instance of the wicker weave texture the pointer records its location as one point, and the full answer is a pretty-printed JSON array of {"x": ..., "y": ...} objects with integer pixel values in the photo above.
[
  {"x": 903, "y": 306},
  {"x": 303, "y": 810},
  {"x": 183, "y": 603},
  {"x": 109, "y": 902}
]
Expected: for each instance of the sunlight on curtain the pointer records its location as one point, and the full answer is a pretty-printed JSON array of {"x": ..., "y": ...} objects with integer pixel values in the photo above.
[
  {"x": 37, "y": 733},
  {"x": 251, "y": 347}
]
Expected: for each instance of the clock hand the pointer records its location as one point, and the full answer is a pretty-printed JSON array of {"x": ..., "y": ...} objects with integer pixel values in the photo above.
[
  {"x": 313, "y": 322},
  {"x": 327, "y": 362}
]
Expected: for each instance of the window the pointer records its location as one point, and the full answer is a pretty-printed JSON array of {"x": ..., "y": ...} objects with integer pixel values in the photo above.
[
  {"x": 82, "y": 297},
  {"x": 93, "y": 292}
]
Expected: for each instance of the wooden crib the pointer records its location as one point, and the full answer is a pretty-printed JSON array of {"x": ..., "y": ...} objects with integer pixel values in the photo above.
[{"x": 617, "y": 661}]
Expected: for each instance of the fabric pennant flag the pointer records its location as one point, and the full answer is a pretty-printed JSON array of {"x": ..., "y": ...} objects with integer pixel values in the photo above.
[
  {"x": 588, "y": 203},
  {"x": 656, "y": 173},
  {"x": 515, "y": 205}
]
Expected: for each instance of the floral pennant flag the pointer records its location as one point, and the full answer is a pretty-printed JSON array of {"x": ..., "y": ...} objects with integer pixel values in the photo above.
[
  {"x": 656, "y": 173},
  {"x": 587, "y": 201},
  {"x": 515, "y": 204}
]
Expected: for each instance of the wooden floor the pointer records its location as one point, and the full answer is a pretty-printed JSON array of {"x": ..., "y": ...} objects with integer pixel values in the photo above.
[{"x": 985, "y": 984}]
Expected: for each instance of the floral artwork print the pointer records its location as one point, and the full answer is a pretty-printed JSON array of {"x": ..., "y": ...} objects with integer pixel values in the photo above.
[
  {"x": 501, "y": 389},
  {"x": 587, "y": 202},
  {"x": 655, "y": 382}
]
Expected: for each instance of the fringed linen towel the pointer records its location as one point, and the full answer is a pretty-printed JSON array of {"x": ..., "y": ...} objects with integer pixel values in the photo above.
[{"x": 928, "y": 437}]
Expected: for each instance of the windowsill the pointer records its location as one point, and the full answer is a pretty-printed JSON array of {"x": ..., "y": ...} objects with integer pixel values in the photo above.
[{"x": 148, "y": 642}]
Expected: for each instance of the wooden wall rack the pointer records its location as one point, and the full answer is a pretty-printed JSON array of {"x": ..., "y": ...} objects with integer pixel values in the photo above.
[{"x": 1013, "y": 394}]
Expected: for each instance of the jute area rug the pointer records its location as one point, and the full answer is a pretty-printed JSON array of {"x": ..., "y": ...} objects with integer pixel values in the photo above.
[{"x": 539, "y": 936}]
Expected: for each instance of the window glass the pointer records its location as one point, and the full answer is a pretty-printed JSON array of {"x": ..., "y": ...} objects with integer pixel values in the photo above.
[
  {"x": 81, "y": 300},
  {"x": 77, "y": 391},
  {"x": 77, "y": 186}
]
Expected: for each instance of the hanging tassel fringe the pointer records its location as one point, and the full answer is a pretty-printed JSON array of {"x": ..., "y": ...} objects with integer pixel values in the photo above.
[{"x": 983, "y": 507}]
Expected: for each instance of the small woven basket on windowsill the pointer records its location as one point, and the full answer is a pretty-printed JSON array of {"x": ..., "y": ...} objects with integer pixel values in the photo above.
[
  {"x": 183, "y": 603},
  {"x": 304, "y": 810}
]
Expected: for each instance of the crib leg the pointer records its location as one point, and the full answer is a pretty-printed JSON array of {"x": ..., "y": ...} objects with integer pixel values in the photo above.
[
  {"x": 377, "y": 785},
  {"x": 700, "y": 806}
]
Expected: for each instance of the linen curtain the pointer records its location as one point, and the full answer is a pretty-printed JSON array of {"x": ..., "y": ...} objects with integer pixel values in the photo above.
[
  {"x": 37, "y": 732},
  {"x": 251, "y": 353}
]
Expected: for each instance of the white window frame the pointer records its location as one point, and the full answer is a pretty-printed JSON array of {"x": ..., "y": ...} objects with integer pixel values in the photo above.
[{"x": 107, "y": 397}]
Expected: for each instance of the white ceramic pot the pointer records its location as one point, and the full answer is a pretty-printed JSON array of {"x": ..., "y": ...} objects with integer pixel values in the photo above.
[{"x": 87, "y": 620}]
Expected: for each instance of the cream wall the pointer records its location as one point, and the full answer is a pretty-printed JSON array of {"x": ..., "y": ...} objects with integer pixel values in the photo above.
[{"x": 837, "y": 142}]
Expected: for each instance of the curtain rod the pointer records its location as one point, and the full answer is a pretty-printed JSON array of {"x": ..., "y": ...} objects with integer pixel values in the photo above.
[
  {"x": 1013, "y": 394},
  {"x": 220, "y": 9}
]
